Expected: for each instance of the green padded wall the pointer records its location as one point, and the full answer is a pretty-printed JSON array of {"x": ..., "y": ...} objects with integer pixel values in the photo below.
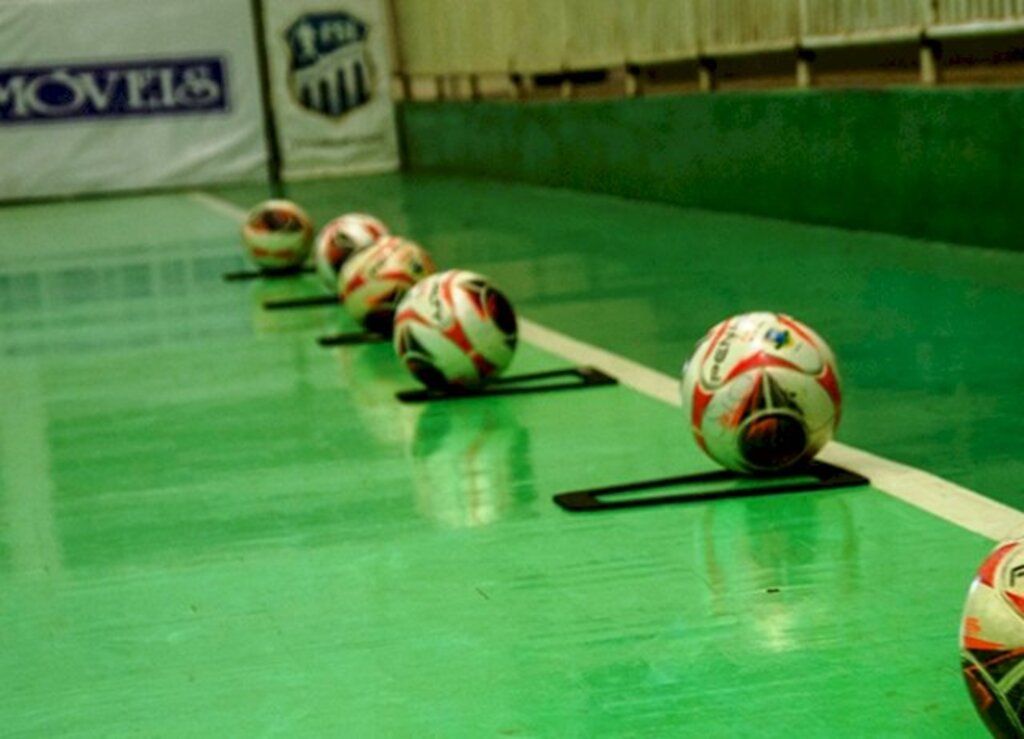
[{"x": 943, "y": 165}]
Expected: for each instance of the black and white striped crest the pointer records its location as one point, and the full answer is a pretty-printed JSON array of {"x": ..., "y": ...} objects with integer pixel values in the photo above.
[{"x": 329, "y": 69}]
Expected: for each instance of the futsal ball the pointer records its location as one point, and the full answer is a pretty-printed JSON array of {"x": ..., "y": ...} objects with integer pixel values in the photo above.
[
  {"x": 277, "y": 235},
  {"x": 375, "y": 279},
  {"x": 992, "y": 640},
  {"x": 339, "y": 239},
  {"x": 455, "y": 330},
  {"x": 761, "y": 392}
]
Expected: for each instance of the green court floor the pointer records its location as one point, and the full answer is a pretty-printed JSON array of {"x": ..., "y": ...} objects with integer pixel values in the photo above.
[{"x": 211, "y": 526}]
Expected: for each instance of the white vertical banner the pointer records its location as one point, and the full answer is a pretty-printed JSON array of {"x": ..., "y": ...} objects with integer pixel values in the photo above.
[
  {"x": 330, "y": 86},
  {"x": 103, "y": 95}
]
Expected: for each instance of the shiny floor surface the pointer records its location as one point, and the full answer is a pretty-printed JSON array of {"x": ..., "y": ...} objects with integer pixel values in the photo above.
[{"x": 211, "y": 526}]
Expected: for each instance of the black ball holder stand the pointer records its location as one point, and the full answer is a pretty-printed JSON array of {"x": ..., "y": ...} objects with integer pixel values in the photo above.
[
  {"x": 353, "y": 338},
  {"x": 825, "y": 477},
  {"x": 570, "y": 378},
  {"x": 308, "y": 301},
  {"x": 266, "y": 274}
]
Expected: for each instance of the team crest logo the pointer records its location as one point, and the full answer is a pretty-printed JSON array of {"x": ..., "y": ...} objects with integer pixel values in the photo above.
[{"x": 329, "y": 65}]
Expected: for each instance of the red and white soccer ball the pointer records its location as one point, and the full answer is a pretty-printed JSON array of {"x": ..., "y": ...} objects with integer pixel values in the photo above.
[
  {"x": 761, "y": 392},
  {"x": 277, "y": 235},
  {"x": 375, "y": 279},
  {"x": 992, "y": 640},
  {"x": 455, "y": 330},
  {"x": 339, "y": 239}
]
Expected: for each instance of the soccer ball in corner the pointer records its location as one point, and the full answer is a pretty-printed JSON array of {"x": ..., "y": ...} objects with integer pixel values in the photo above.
[
  {"x": 992, "y": 640},
  {"x": 455, "y": 330},
  {"x": 277, "y": 235},
  {"x": 339, "y": 239},
  {"x": 375, "y": 279},
  {"x": 761, "y": 392}
]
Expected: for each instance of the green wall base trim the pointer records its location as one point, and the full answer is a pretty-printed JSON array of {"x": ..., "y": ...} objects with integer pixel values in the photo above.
[{"x": 945, "y": 165}]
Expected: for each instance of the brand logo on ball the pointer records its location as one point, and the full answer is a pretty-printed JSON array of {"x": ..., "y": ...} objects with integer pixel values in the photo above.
[
  {"x": 149, "y": 87},
  {"x": 721, "y": 353},
  {"x": 329, "y": 68},
  {"x": 436, "y": 309},
  {"x": 1015, "y": 574},
  {"x": 777, "y": 338}
]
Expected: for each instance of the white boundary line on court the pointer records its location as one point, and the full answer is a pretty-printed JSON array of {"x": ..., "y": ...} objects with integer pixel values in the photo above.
[
  {"x": 928, "y": 492},
  {"x": 219, "y": 205}
]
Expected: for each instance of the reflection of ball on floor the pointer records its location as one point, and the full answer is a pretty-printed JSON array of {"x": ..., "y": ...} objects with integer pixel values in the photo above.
[
  {"x": 337, "y": 241},
  {"x": 277, "y": 235},
  {"x": 992, "y": 640},
  {"x": 455, "y": 329},
  {"x": 374, "y": 280},
  {"x": 470, "y": 465},
  {"x": 761, "y": 392}
]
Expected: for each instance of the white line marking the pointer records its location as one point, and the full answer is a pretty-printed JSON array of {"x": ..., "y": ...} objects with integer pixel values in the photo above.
[
  {"x": 930, "y": 493},
  {"x": 627, "y": 372},
  {"x": 218, "y": 205}
]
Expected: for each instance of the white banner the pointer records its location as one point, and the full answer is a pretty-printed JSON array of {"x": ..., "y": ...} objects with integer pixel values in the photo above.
[
  {"x": 100, "y": 95},
  {"x": 330, "y": 86}
]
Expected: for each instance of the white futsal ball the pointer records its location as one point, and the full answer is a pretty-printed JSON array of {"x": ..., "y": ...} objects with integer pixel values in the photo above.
[
  {"x": 992, "y": 640},
  {"x": 761, "y": 392},
  {"x": 375, "y": 279},
  {"x": 455, "y": 330},
  {"x": 339, "y": 239},
  {"x": 277, "y": 235}
]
